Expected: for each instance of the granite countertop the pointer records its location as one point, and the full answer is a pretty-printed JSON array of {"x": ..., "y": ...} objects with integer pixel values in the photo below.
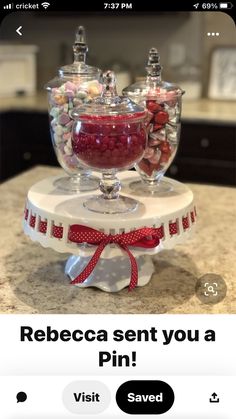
[
  {"x": 32, "y": 279},
  {"x": 199, "y": 110}
]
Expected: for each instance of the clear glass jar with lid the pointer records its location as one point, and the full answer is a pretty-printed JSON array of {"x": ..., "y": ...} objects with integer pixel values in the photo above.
[
  {"x": 163, "y": 101},
  {"x": 109, "y": 136},
  {"x": 75, "y": 85}
]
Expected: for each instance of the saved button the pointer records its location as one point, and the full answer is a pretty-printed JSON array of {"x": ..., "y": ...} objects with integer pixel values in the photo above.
[{"x": 145, "y": 397}]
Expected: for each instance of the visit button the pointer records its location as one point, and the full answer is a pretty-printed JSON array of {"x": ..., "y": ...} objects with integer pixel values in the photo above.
[{"x": 145, "y": 397}]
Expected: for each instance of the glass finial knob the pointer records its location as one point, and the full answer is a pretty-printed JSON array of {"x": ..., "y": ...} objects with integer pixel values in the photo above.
[
  {"x": 153, "y": 65},
  {"x": 80, "y": 47},
  {"x": 109, "y": 84}
]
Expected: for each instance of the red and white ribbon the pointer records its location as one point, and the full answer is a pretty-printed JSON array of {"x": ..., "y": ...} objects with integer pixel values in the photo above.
[{"x": 144, "y": 237}]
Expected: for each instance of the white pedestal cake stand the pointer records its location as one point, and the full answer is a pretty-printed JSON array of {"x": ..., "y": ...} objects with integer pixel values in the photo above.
[{"x": 49, "y": 213}]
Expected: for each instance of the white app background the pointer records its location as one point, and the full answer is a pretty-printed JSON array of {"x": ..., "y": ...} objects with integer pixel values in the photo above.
[{"x": 194, "y": 369}]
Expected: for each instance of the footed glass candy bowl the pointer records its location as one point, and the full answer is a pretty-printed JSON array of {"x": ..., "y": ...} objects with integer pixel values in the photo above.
[{"x": 109, "y": 136}]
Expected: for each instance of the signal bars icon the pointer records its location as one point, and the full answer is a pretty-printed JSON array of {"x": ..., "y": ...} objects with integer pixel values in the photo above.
[{"x": 8, "y": 6}]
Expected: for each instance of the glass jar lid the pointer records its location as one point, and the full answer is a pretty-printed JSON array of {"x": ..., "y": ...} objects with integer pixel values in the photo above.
[
  {"x": 80, "y": 49},
  {"x": 78, "y": 70},
  {"x": 109, "y": 106},
  {"x": 153, "y": 86}
]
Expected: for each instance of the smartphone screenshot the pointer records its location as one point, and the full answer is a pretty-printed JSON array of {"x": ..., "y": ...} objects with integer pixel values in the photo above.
[{"x": 117, "y": 210}]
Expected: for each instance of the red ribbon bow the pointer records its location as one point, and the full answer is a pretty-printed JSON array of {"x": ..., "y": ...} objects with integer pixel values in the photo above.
[{"x": 144, "y": 237}]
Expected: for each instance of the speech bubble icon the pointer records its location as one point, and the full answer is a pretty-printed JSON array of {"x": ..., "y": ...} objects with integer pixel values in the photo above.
[{"x": 21, "y": 397}]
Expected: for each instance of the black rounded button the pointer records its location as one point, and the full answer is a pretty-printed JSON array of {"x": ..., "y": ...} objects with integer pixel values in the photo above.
[{"x": 145, "y": 397}]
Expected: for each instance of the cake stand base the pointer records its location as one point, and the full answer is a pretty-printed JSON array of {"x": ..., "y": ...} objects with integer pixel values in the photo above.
[
  {"x": 52, "y": 217},
  {"x": 110, "y": 275}
]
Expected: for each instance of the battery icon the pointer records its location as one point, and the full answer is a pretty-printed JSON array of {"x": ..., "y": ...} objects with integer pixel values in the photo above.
[{"x": 225, "y": 5}]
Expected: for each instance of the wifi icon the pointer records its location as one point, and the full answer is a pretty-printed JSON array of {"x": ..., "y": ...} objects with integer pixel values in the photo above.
[{"x": 45, "y": 5}]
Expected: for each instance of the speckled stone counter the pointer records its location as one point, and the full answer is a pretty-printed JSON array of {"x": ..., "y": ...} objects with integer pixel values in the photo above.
[{"x": 32, "y": 278}]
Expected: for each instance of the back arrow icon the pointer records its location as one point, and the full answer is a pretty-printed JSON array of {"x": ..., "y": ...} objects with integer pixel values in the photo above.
[{"x": 18, "y": 30}]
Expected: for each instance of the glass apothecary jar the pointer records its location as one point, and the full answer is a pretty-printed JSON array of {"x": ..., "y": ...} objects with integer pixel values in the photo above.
[
  {"x": 163, "y": 102},
  {"x": 109, "y": 136},
  {"x": 75, "y": 85}
]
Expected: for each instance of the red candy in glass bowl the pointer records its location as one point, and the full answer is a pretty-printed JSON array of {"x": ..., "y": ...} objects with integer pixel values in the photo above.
[
  {"x": 163, "y": 103},
  {"x": 101, "y": 144},
  {"x": 109, "y": 135}
]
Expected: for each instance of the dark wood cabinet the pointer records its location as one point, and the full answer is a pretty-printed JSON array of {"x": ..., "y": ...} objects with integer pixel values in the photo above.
[
  {"x": 206, "y": 154},
  {"x": 24, "y": 142}
]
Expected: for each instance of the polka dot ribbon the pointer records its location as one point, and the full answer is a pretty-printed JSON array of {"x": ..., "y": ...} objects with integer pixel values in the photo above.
[{"x": 144, "y": 237}]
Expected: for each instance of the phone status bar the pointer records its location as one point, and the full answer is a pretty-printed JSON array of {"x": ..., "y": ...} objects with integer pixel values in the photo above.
[{"x": 119, "y": 7}]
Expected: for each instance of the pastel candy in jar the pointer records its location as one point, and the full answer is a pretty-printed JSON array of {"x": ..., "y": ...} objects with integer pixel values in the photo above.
[
  {"x": 62, "y": 104},
  {"x": 77, "y": 84}
]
